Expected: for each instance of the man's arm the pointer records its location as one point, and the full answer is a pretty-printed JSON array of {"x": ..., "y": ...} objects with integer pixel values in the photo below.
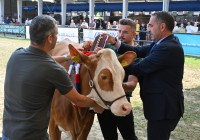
[
  {"x": 82, "y": 101},
  {"x": 62, "y": 58},
  {"x": 131, "y": 84}
]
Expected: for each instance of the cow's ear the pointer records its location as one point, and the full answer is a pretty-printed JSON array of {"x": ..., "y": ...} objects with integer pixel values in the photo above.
[
  {"x": 127, "y": 58},
  {"x": 76, "y": 55}
]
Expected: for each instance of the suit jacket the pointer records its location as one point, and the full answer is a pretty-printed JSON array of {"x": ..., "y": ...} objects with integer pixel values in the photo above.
[{"x": 160, "y": 74}]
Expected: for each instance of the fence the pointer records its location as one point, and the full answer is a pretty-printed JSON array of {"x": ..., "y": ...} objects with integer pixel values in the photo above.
[{"x": 190, "y": 42}]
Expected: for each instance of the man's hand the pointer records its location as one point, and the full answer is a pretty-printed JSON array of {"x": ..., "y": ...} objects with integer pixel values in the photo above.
[
  {"x": 97, "y": 108},
  {"x": 111, "y": 39},
  {"x": 131, "y": 84},
  {"x": 97, "y": 49}
]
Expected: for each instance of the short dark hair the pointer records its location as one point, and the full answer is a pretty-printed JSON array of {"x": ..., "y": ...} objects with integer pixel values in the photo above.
[
  {"x": 128, "y": 21},
  {"x": 165, "y": 17},
  {"x": 40, "y": 27}
]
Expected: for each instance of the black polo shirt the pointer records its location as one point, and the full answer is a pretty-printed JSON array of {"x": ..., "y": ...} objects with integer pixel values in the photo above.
[{"x": 31, "y": 78}]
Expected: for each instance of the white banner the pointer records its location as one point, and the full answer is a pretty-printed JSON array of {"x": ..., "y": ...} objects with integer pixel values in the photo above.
[
  {"x": 63, "y": 32},
  {"x": 71, "y": 33},
  {"x": 91, "y": 34}
]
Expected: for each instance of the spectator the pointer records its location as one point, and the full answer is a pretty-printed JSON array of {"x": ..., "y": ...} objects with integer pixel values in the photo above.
[
  {"x": 188, "y": 27},
  {"x": 92, "y": 25},
  {"x": 194, "y": 29},
  {"x": 72, "y": 24},
  {"x": 79, "y": 23},
  {"x": 104, "y": 23},
  {"x": 27, "y": 21},
  {"x": 176, "y": 28},
  {"x": 114, "y": 26},
  {"x": 7, "y": 20},
  {"x": 27, "y": 98},
  {"x": 84, "y": 24},
  {"x": 137, "y": 29},
  {"x": 182, "y": 28},
  {"x": 160, "y": 76},
  {"x": 142, "y": 34},
  {"x": 109, "y": 26},
  {"x": 17, "y": 21}
]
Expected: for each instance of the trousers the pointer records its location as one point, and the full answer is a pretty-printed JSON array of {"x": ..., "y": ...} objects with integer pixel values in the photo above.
[
  {"x": 109, "y": 123},
  {"x": 161, "y": 129}
]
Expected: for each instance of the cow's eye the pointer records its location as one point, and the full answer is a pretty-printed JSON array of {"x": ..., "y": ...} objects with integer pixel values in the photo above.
[
  {"x": 105, "y": 80},
  {"x": 103, "y": 77}
]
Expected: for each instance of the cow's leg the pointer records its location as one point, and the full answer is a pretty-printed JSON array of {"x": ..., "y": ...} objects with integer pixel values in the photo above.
[
  {"x": 86, "y": 129},
  {"x": 54, "y": 131}
]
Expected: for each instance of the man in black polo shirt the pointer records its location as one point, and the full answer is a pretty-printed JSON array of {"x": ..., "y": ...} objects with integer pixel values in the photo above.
[{"x": 31, "y": 78}]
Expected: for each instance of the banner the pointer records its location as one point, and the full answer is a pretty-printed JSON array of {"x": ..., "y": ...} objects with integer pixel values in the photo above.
[
  {"x": 91, "y": 34},
  {"x": 63, "y": 32},
  {"x": 190, "y": 43},
  {"x": 13, "y": 29}
]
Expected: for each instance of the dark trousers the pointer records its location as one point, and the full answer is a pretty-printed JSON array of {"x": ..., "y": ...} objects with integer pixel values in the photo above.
[
  {"x": 6, "y": 138},
  {"x": 161, "y": 129},
  {"x": 109, "y": 124}
]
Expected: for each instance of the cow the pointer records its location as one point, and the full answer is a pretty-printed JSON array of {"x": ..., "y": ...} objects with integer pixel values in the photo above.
[{"x": 101, "y": 77}]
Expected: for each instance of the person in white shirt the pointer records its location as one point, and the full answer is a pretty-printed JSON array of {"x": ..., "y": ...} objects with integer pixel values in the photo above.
[
  {"x": 176, "y": 28},
  {"x": 188, "y": 27},
  {"x": 72, "y": 24},
  {"x": 84, "y": 24},
  {"x": 194, "y": 28}
]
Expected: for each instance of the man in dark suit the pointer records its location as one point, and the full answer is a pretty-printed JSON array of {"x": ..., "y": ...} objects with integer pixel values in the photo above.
[{"x": 160, "y": 76}]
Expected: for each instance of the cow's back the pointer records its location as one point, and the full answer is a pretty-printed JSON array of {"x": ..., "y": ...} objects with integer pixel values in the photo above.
[{"x": 64, "y": 115}]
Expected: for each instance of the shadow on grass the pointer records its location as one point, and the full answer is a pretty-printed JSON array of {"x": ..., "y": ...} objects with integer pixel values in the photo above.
[{"x": 193, "y": 57}]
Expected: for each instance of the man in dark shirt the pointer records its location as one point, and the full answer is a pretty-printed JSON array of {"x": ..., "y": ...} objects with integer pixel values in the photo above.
[{"x": 31, "y": 78}]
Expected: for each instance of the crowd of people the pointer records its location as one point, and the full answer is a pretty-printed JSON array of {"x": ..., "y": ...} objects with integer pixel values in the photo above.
[
  {"x": 142, "y": 34},
  {"x": 9, "y": 20},
  {"x": 190, "y": 27}
]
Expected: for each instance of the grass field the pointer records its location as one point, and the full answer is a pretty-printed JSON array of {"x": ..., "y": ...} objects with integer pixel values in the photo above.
[{"x": 187, "y": 129}]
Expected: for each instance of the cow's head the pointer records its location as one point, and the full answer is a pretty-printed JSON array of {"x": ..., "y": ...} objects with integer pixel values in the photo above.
[{"x": 107, "y": 74}]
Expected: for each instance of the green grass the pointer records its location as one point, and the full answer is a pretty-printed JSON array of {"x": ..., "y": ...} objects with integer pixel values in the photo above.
[
  {"x": 192, "y": 61},
  {"x": 7, "y": 46},
  {"x": 188, "y": 127}
]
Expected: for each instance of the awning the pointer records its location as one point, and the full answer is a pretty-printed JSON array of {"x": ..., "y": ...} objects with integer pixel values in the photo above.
[{"x": 132, "y": 6}]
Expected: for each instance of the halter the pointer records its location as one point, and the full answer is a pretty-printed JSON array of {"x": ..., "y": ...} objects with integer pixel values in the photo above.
[
  {"x": 107, "y": 103},
  {"x": 100, "y": 41}
]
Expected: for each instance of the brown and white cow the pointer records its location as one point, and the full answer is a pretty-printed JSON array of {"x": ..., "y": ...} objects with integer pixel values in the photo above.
[{"x": 101, "y": 77}]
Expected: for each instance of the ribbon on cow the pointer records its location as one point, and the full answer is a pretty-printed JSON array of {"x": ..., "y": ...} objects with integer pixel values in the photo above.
[
  {"x": 76, "y": 65},
  {"x": 77, "y": 77}
]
